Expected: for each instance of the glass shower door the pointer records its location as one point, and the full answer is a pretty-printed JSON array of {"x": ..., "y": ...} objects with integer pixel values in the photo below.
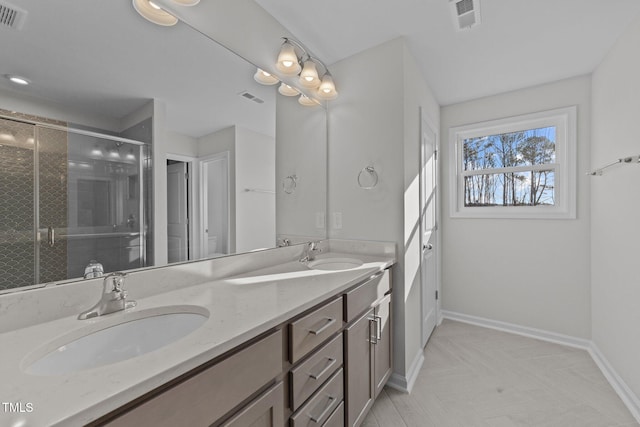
[
  {"x": 51, "y": 204},
  {"x": 105, "y": 208},
  {"x": 67, "y": 198}
]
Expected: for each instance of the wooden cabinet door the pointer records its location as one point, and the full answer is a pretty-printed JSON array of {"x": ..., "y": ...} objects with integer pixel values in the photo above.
[
  {"x": 382, "y": 349},
  {"x": 265, "y": 411},
  {"x": 359, "y": 364}
]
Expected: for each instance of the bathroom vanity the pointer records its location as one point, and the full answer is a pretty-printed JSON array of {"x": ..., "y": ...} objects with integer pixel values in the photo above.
[{"x": 284, "y": 344}]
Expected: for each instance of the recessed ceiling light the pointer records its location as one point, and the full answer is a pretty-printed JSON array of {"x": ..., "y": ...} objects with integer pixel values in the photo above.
[{"x": 17, "y": 79}]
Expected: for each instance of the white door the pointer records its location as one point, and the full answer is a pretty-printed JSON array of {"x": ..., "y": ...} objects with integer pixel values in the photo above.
[
  {"x": 177, "y": 212},
  {"x": 428, "y": 229},
  {"x": 214, "y": 184}
]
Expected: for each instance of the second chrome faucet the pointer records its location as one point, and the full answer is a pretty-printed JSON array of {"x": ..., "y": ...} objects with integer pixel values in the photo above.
[{"x": 114, "y": 297}]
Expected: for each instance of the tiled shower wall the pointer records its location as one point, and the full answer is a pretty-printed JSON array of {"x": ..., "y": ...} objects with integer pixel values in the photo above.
[
  {"x": 17, "y": 252},
  {"x": 17, "y": 198}
]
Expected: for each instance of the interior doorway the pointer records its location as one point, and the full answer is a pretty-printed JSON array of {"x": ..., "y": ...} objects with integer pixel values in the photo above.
[
  {"x": 215, "y": 206},
  {"x": 178, "y": 211}
]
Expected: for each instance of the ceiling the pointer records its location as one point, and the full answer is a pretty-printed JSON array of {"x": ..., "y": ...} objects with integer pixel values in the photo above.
[
  {"x": 102, "y": 58},
  {"x": 520, "y": 43}
]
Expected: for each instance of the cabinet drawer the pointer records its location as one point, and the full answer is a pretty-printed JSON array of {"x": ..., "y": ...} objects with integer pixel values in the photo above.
[
  {"x": 311, "y": 330},
  {"x": 207, "y": 396},
  {"x": 313, "y": 372},
  {"x": 320, "y": 407},
  {"x": 365, "y": 295},
  {"x": 337, "y": 418}
]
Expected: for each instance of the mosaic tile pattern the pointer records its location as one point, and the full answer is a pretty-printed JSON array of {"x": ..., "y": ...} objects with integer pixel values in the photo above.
[
  {"x": 52, "y": 155},
  {"x": 16, "y": 205}
]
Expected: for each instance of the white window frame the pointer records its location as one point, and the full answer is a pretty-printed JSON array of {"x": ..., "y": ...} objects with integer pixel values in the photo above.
[{"x": 564, "y": 120}]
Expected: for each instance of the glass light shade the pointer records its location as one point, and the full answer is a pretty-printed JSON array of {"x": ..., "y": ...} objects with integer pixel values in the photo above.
[
  {"x": 309, "y": 75},
  {"x": 288, "y": 60},
  {"x": 327, "y": 89},
  {"x": 287, "y": 90},
  {"x": 186, "y": 2},
  {"x": 153, "y": 14},
  {"x": 306, "y": 101},
  {"x": 265, "y": 78}
]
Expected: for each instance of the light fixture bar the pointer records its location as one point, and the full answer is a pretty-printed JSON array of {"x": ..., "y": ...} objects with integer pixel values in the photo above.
[{"x": 294, "y": 58}]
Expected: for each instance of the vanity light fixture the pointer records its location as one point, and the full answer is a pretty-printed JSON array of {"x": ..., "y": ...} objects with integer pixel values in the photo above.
[
  {"x": 309, "y": 75},
  {"x": 288, "y": 62},
  {"x": 294, "y": 59},
  {"x": 327, "y": 89},
  {"x": 287, "y": 90},
  {"x": 265, "y": 78},
  {"x": 19, "y": 80},
  {"x": 154, "y": 13}
]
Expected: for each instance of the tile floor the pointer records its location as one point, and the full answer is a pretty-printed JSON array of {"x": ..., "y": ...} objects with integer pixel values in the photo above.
[{"x": 474, "y": 376}]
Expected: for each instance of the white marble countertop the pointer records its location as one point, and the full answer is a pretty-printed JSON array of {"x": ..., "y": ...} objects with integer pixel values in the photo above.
[{"x": 240, "y": 308}]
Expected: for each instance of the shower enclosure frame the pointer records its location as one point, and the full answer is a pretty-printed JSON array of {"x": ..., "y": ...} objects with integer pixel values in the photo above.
[{"x": 144, "y": 152}]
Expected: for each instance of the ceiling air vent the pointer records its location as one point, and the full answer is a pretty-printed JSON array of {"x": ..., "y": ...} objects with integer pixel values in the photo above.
[
  {"x": 11, "y": 17},
  {"x": 251, "y": 97},
  {"x": 466, "y": 13}
]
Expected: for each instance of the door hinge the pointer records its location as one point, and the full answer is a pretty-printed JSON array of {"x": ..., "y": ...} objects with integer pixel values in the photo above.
[
  {"x": 436, "y": 295},
  {"x": 186, "y": 176},
  {"x": 435, "y": 154}
]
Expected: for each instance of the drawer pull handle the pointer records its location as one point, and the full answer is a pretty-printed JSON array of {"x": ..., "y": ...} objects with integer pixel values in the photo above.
[
  {"x": 379, "y": 327},
  {"x": 325, "y": 370},
  {"x": 324, "y": 413},
  {"x": 373, "y": 336},
  {"x": 323, "y": 328}
]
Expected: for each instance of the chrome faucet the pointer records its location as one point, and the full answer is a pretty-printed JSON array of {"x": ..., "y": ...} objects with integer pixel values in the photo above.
[
  {"x": 284, "y": 242},
  {"x": 93, "y": 269},
  {"x": 310, "y": 251},
  {"x": 114, "y": 297}
]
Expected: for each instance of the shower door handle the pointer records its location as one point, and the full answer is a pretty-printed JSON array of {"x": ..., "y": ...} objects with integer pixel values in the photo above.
[{"x": 51, "y": 236}]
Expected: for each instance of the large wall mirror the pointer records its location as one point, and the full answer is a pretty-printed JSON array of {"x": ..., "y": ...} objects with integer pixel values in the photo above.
[{"x": 136, "y": 145}]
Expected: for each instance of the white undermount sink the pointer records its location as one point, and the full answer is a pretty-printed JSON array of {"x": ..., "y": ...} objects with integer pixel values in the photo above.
[
  {"x": 125, "y": 336},
  {"x": 334, "y": 264}
]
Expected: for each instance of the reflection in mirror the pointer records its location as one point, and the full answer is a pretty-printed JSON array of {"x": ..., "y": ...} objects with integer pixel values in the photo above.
[{"x": 136, "y": 145}]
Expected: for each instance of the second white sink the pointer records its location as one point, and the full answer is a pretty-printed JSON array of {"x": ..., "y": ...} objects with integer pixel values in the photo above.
[
  {"x": 136, "y": 334},
  {"x": 334, "y": 264}
]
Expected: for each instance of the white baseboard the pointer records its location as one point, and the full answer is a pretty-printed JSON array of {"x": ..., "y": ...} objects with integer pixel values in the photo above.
[
  {"x": 520, "y": 330},
  {"x": 405, "y": 383},
  {"x": 627, "y": 396}
]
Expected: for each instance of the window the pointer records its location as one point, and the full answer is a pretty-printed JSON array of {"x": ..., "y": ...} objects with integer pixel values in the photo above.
[{"x": 518, "y": 167}]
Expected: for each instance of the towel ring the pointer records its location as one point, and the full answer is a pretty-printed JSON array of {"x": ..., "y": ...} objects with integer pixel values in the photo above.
[
  {"x": 289, "y": 184},
  {"x": 367, "y": 178}
]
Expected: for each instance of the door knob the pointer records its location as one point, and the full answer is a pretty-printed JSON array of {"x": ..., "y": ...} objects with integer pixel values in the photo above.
[{"x": 427, "y": 247}]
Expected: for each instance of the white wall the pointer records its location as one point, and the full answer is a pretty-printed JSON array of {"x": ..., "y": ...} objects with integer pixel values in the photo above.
[
  {"x": 533, "y": 273},
  {"x": 22, "y": 103},
  {"x": 301, "y": 150},
  {"x": 375, "y": 122},
  {"x": 615, "y": 209},
  {"x": 416, "y": 94},
  {"x": 255, "y": 211}
]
